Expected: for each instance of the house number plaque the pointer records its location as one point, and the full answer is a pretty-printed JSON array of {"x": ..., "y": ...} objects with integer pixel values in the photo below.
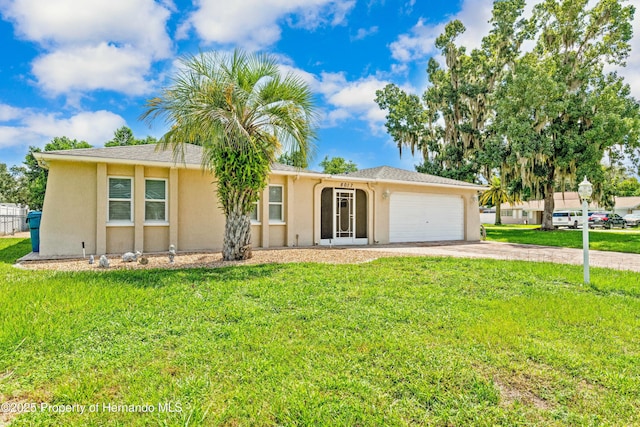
[{"x": 346, "y": 185}]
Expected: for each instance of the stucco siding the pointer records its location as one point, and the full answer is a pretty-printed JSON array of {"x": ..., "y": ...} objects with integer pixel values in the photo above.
[
  {"x": 120, "y": 240},
  {"x": 256, "y": 235},
  {"x": 472, "y": 216},
  {"x": 120, "y": 170},
  {"x": 69, "y": 211},
  {"x": 153, "y": 172},
  {"x": 301, "y": 231},
  {"x": 277, "y": 235},
  {"x": 200, "y": 221},
  {"x": 156, "y": 239}
]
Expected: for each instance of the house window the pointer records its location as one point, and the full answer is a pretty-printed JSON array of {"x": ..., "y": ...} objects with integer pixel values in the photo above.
[
  {"x": 155, "y": 200},
  {"x": 253, "y": 215},
  {"x": 120, "y": 200},
  {"x": 275, "y": 204}
]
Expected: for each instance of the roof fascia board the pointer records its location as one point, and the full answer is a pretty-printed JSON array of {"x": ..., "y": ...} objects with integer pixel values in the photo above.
[
  {"x": 43, "y": 155},
  {"x": 344, "y": 178},
  {"x": 473, "y": 187},
  {"x": 91, "y": 159}
]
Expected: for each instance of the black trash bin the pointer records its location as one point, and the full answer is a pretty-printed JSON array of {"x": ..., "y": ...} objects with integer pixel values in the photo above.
[{"x": 33, "y": 219}]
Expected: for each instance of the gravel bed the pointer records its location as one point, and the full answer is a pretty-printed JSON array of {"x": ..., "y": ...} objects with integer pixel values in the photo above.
[{"x": 212, "y": 260}]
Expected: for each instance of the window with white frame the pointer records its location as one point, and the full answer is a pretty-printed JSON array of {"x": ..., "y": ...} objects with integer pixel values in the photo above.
[
  {"x": 254, "y": 214},
  {"x": 276, "y": 211},
  {"x": 120, "y": 200},
  {"x": 155, "y": 200}
]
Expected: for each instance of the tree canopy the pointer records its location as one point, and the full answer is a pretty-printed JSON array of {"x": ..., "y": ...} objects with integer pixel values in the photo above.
[
  {"x": 337, "y": 165},
  {"x": 534, "y": 117},
  {"x": 11, "y": 186},
  {"x": 124, "y": 136},
  {"x": 293, "y": 159},
  {"x": 558, "y": 109},
  {"x": 451, "y": 125}
]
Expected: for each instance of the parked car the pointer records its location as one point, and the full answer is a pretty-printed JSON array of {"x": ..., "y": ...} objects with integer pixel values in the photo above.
[
  {"x": 606, "y": 220},
  {"x": 632, "y": 220},
  {"x": 571, "y": 219}
]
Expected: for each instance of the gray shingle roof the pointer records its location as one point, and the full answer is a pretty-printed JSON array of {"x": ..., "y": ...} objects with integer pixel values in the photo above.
[
  {"x": 287, "y": 168},
  {"x": 192, "y": 155},
  {"x": 395, "y": 174},
  {"x": 152, "y": 153},
  {"x": 146, "y": 152}
]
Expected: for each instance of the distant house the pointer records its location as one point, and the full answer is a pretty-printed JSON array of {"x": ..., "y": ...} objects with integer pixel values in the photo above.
[
  {"x": 627, "y": 205},
  {"x": 130, "y": 198},
  {"x": 531, "y": 212}
]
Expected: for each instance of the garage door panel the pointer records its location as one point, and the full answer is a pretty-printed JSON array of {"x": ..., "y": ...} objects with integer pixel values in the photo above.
[{"x": 425, "y": 217}]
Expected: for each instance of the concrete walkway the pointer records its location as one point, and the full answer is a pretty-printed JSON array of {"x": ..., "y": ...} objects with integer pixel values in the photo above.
[{"x": 513, "y": 251}]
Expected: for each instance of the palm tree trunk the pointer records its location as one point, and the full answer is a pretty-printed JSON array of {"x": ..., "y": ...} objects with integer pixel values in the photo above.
[
  {"x": 237, "y": 235},
  {"x": 498, "y": 215}
]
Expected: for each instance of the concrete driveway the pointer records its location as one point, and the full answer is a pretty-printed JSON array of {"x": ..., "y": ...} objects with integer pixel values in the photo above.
[{"x": 513, "y": 251}]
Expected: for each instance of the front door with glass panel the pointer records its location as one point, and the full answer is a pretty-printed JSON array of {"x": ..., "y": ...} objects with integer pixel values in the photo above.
[
  {"x": 344, "y": 209},
  {"x": 343, "y": 218}
]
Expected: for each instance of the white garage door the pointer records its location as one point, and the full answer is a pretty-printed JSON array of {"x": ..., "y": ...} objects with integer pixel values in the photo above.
[{"x": 425, "y": 217}]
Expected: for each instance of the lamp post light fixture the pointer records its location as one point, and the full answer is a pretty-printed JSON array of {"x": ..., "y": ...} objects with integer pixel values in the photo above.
[{"x": 585, "y": 189}]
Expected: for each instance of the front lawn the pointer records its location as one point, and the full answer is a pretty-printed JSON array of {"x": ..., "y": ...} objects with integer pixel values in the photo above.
[
  {"x": 398, "y": 341},
  {"x": 604, "y": 240}
]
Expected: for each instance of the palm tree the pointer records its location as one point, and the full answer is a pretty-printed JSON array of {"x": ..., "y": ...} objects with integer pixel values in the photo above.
[
  {"x": 496, "y": 195},
  {"x": 243, "y": 112}
]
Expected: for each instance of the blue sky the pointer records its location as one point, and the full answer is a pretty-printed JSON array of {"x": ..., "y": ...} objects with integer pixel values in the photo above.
[{"x": 84, "y": 68}]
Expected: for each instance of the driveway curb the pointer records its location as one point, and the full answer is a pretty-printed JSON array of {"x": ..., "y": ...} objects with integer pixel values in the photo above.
[{"x": 515, "y": 251}]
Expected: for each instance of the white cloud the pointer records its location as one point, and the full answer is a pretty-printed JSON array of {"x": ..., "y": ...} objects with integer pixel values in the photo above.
[
  {"x": 343, "y": 99},
  {"x": 24, "y": 127},
  {"x": 419, "y": 43},
  {"x": 90, "y": 68},
  {"x": 139, "y": 23},
  {"x": 335, "y": 116},
  {"x": 358, "y": 95},
  {"x": 8, "y": 113},
  {"x": 363, "y": 33},
  {"x": 352, "y": 99},
  {"x": 475, "y": 15},
  {"x": 330, "y": 83},
  {"x": 11, "y": 136},
  {"x": 255, "y": 24},
  {"x": 91, "y": 45}
]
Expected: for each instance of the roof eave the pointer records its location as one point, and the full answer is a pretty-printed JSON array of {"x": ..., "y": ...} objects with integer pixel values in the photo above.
[
  {"x": 45, "y": 156},
  {"x": 473, "y": 187},
  {"x": 93, "y": 159},
  {"x": 344, "y": 178}
]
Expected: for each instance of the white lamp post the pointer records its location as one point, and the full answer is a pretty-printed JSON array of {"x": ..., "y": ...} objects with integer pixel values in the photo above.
[{"x": 584, "y": 190}]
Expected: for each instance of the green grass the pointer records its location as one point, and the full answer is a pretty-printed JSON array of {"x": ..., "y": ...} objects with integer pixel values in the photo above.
[
  {"x": 398, "y": 341},
  {"x": 603, "y": 240}
]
